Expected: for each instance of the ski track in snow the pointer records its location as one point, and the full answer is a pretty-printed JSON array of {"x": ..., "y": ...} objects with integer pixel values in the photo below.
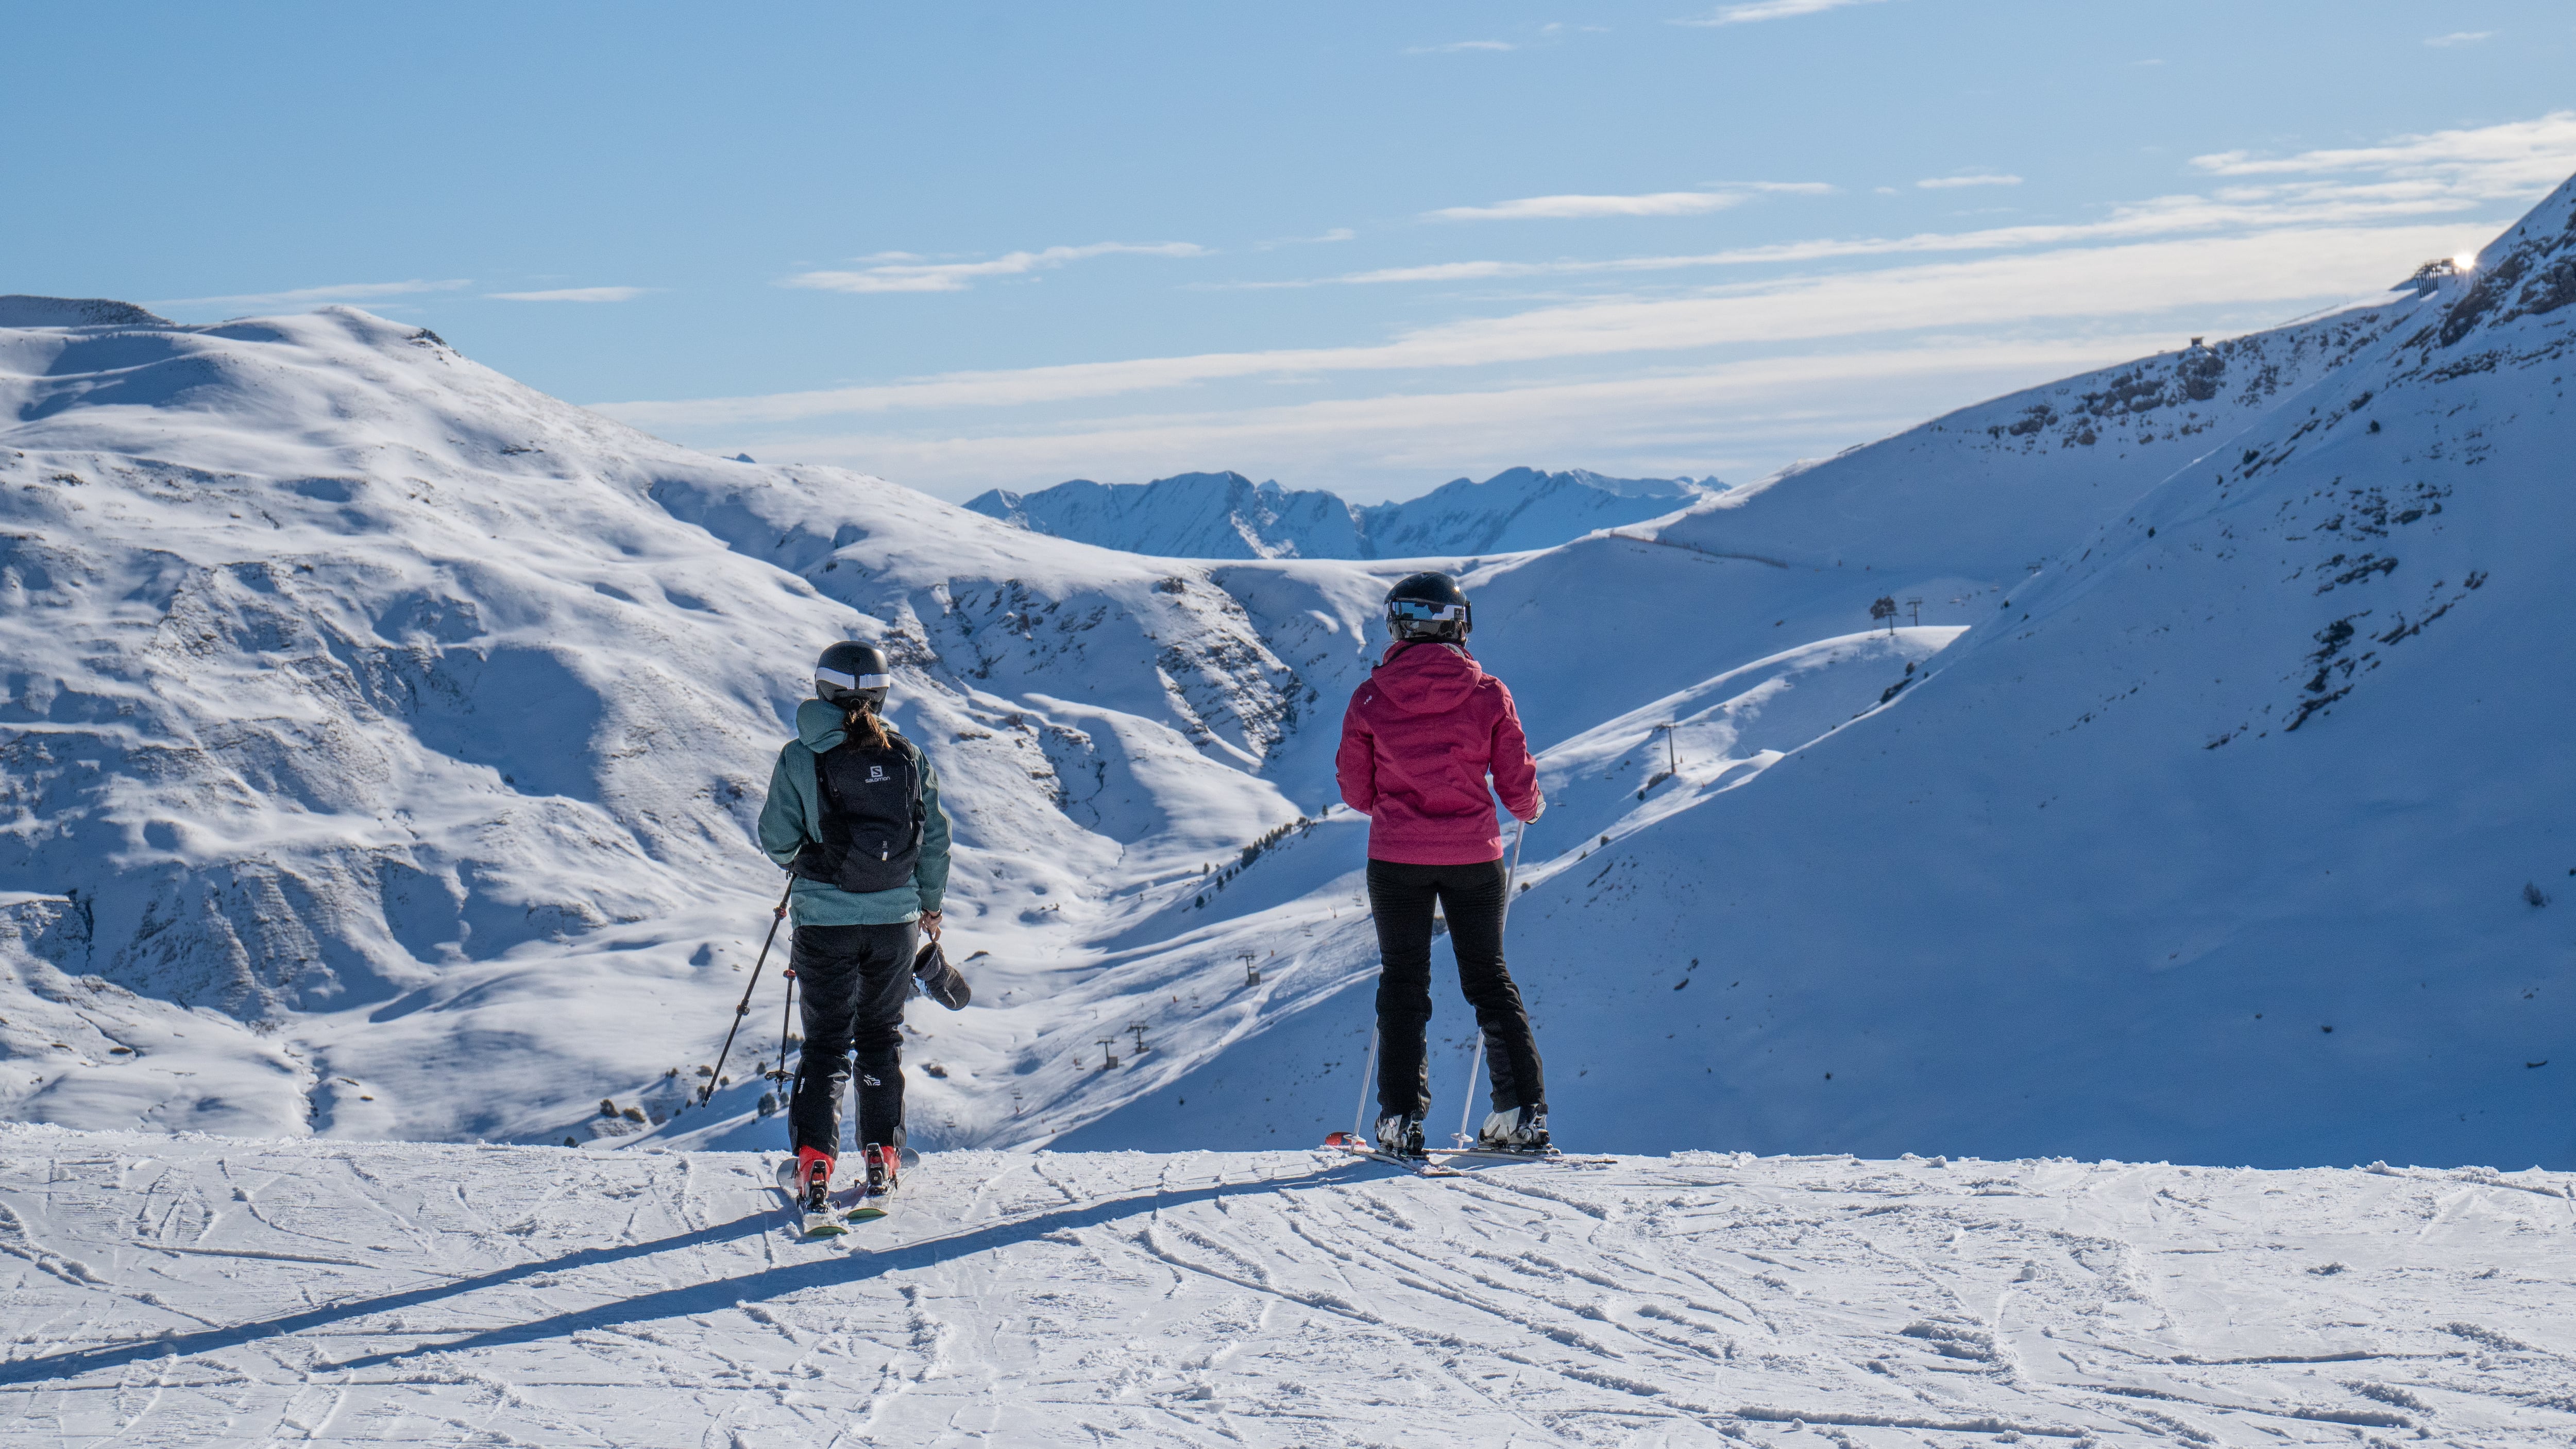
[{"x": 307, "y": 1291}]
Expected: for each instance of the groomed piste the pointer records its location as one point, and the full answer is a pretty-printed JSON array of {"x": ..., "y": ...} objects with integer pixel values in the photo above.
[{"x": 193, "y": 1291}]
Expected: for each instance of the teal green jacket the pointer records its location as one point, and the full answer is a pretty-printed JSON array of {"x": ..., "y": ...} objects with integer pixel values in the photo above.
[{"x": 793, "y": 815}]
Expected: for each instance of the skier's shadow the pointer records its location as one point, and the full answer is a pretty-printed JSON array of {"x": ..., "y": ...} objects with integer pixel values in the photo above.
[{"x": 668, "y": 1303}]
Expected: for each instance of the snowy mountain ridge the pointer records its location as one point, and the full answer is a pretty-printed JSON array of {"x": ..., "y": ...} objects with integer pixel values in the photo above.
[
  {"x": 374, "y": 722},
  {"x": 1226, "y": 515}
]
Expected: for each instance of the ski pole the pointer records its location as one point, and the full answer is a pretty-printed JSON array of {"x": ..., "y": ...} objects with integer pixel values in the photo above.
[
  {"x": 1476, "y": 1062},
  {"x": 1368, "y": 1069},
  {"x": 743, "y": 1008},
  {"x": 786, "y": 1015}
]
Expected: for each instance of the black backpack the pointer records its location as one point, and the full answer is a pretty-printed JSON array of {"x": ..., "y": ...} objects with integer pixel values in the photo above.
[{"x": 871, "y": 817}]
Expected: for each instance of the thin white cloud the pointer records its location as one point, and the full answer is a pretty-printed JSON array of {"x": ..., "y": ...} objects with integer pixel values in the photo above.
[
  {"x": 1456, "y": 47},
  {"x": 1770, "y": 10},
  {"x": 1563, "y": 208},
  {"x": 573, "y": 294},
  {"x": 2166, "y": 216},
  {"x": 917, "y": 276},
  {"x": 2488, "y": 162},
  {"x": 1734, "y": 418},
  {"x": 1656, "y": 203},
  {"x": 1756, "y": 370},
  {"x": 1337, "y": 234},
  {"x": 2458, "y": 37},
  {"x": 345, "y": 292},
  {"x": 1978, "y": 178},
  {"x": 2411, "y": 179},
  {"x": 2269, "y": 269}
]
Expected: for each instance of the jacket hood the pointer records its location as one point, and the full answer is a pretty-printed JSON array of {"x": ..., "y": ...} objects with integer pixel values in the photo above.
[
  {"x": 818, "y": 725},
  {"x": 1427, "y": 678}
]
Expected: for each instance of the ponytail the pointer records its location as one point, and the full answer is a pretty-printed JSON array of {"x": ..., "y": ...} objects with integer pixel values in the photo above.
[{"x": 864, "y": 726}]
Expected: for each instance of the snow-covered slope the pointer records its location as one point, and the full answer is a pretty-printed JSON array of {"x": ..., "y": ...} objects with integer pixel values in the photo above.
[
  {"x": 2239, "y": 832},
  {"x": 196, "y": 1291},
  {"x": 382, "y": 739},
  {"x": 392, "y": 733},
  {"x": 1226, "y": 515}
]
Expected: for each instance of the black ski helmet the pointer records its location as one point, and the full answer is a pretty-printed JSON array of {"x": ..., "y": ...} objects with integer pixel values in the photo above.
[
  {"x": 1428, "y": 607},
  {"x": 853, "y": 676}
]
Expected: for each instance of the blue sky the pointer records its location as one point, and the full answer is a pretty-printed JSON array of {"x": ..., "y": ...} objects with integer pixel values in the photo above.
[{"x": 1361, "y": 247}]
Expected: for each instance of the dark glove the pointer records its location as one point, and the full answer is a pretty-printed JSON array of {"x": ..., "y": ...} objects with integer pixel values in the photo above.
[{"x": 938, "y": 980}]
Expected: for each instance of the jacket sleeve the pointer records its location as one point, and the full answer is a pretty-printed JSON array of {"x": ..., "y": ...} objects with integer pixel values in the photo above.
[
  {"x": 784, "y": 813},
  {"x": 1355, "y": 765},
  {"x": 1515, "y": 773},
  {"x": 930, "y": 875}
]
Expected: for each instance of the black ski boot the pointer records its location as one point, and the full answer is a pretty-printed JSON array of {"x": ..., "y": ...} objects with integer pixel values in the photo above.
[
  {"x": 1400, "y": 1136},
  {"x": 1521, "y": 1129}
]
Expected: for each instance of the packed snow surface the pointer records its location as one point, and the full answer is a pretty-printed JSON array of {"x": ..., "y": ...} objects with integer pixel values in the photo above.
[
  {"x": 188, "y": 1291},
  {"x": 1226, "y": 515}
]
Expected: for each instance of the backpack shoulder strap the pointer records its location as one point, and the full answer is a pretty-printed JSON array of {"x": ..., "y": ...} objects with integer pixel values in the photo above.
[{"x": 920, "y": 771}]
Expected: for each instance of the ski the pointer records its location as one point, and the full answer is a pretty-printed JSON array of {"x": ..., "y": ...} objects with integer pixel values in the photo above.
[
  {"x": 851, "y": 1204},
  {"x": 1515, "y": 1154},
  {"x": 829, "y": 1223},
  {"x": 875, "y": 1191},
  {"x": 1434, "y": 1161},
  {"x": 1358, "y": 1146}
]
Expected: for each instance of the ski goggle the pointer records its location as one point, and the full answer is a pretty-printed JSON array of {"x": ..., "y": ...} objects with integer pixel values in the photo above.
[
  {"x": 853, "y": 681},
  {"x": 1423, "y": 611}
]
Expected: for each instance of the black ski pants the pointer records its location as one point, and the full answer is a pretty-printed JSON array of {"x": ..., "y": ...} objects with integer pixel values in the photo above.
[
  {"x": 1471, "y": 897},
  {"x": 855, "y": 981}
]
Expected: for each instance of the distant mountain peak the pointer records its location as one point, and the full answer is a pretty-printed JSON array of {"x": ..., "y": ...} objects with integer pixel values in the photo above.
[{"x": 1227, "y": 515}]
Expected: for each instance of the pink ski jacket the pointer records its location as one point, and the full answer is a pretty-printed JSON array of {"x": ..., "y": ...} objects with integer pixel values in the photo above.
[{"x": 1417, "y": 742}]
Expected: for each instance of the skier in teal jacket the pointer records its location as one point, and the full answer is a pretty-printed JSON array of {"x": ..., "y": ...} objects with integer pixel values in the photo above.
[{"x": 853, "y": 811}]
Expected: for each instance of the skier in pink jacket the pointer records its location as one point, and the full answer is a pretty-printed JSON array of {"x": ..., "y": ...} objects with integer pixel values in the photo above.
[{"x": 1420, "y": 738}]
